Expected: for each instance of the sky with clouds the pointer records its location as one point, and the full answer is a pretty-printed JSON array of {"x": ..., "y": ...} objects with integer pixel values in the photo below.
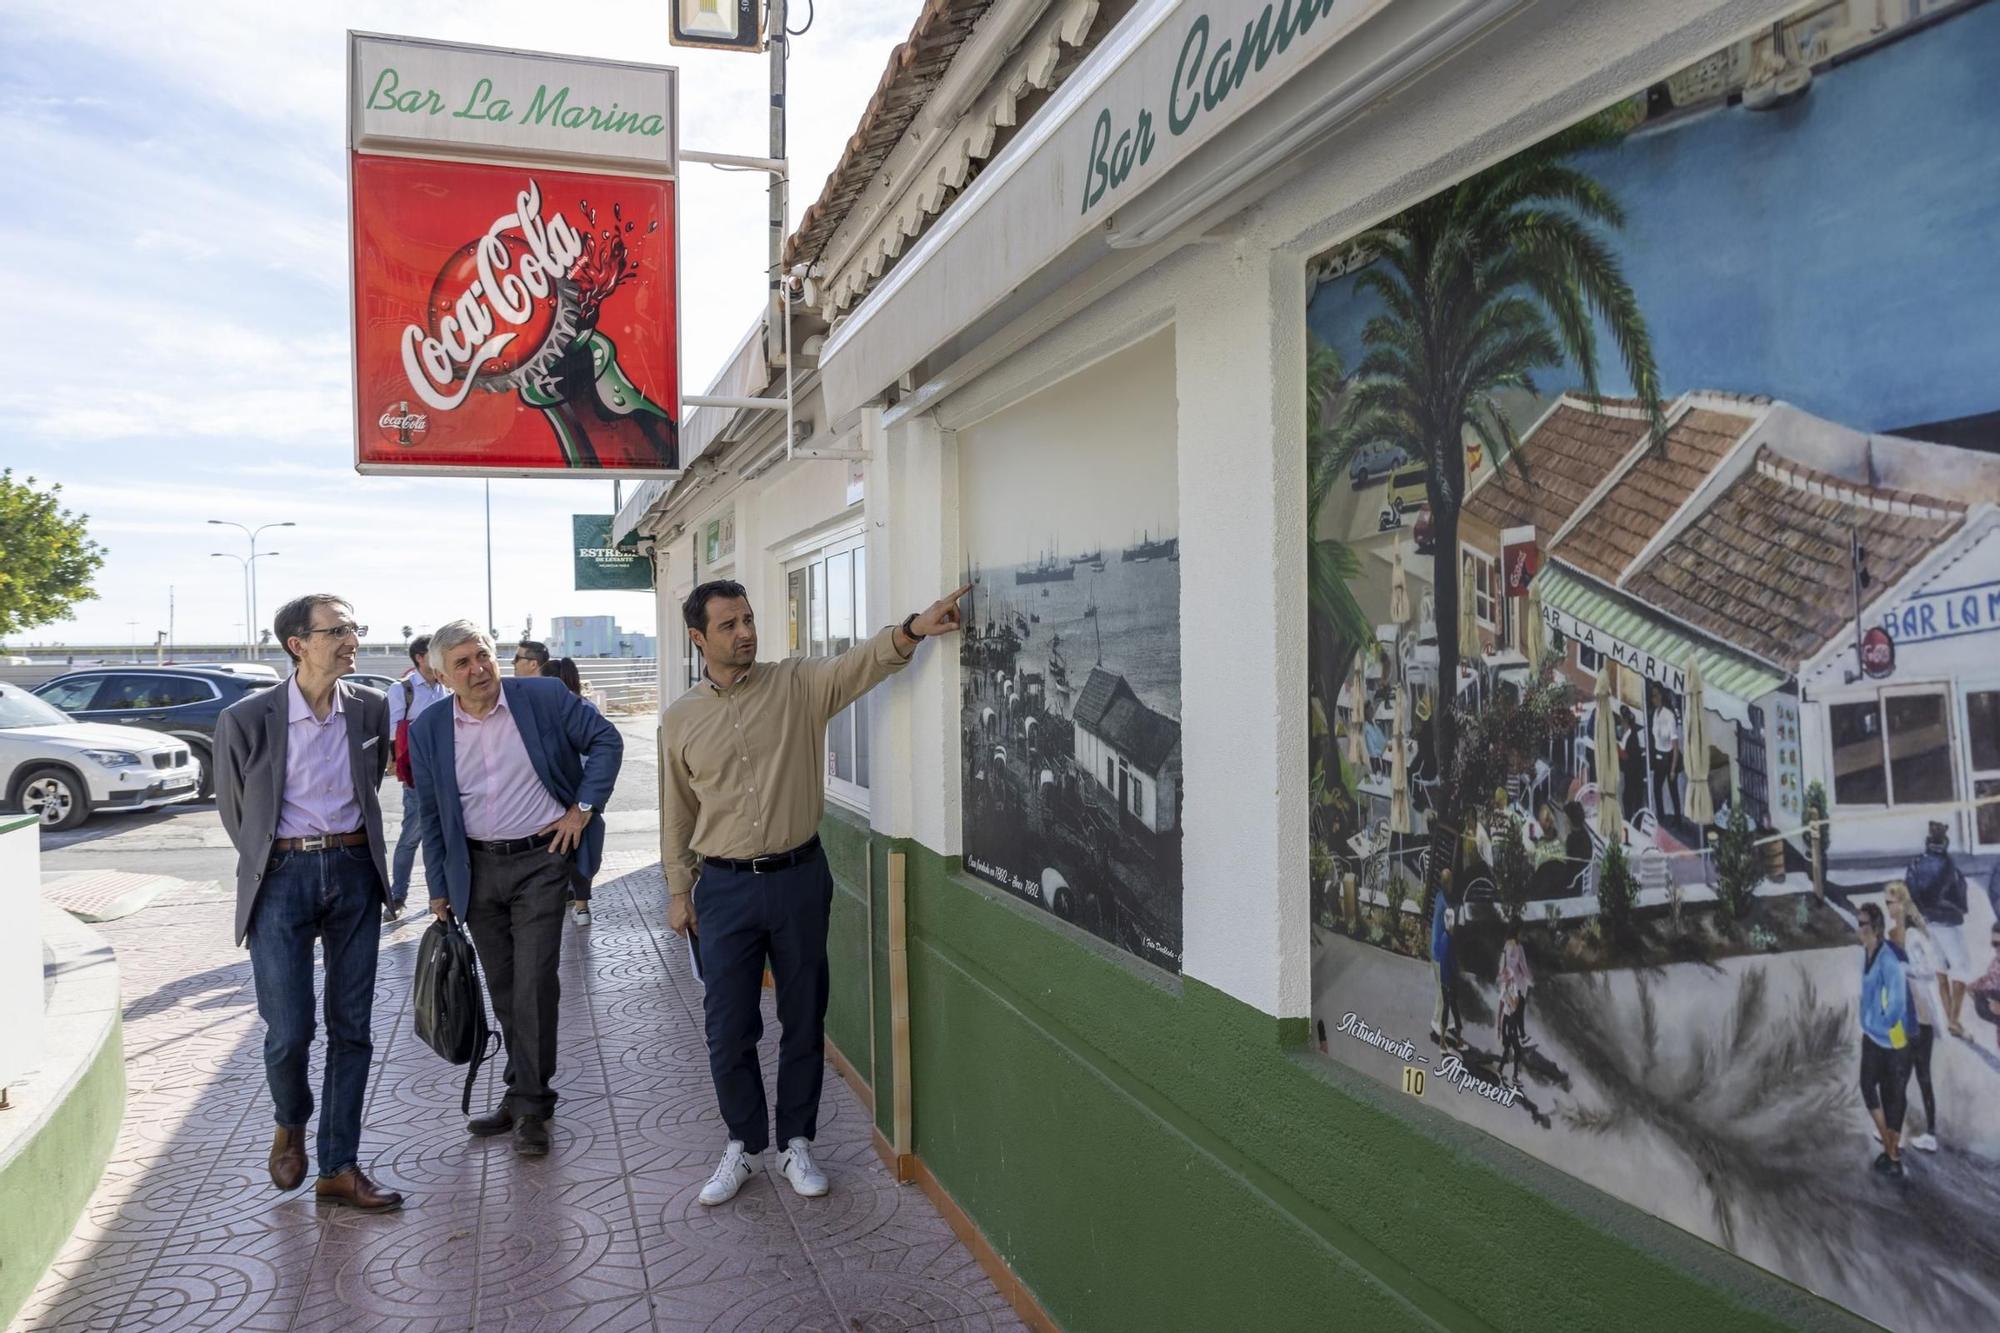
[{"x": 173, "y": 253}]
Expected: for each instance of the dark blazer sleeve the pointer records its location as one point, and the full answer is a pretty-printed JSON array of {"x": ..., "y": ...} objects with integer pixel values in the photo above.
[
  {"x": 228, "y": 761},
  {"x": 383, "y": 741},
  {"x": 423, "y": 765},
  {"x": 602, "y": 748}
]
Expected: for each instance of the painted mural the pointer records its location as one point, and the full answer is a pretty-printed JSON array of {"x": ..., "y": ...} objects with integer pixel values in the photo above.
[
  {"x": 1654, "y": 481},
  {"x": 1070, "y": 734}
]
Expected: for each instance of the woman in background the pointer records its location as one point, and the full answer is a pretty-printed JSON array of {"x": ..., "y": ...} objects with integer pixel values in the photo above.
[
  {"x": 564, "y": 670},
  {"x": 1921, "y": 960}
]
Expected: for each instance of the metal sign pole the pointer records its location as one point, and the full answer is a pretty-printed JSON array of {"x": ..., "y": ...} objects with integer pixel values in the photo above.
[{"x": 775, "y": 350}]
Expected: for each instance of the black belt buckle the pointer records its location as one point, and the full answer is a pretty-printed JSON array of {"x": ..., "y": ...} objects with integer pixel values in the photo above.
[{"x": 765, "y": 865}]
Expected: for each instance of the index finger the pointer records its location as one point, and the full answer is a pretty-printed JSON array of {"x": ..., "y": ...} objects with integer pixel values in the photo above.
[{"x": 955, "y": 596}]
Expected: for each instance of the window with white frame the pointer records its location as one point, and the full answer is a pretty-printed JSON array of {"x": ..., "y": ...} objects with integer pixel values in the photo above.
[
  {"x": 826, "y": 613},
  {"x": 1891, "y": 750},
  {"x": 1484, "y": 580}
]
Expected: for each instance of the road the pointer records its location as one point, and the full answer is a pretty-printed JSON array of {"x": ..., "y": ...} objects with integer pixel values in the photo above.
[{"x": 187, "y": 841}]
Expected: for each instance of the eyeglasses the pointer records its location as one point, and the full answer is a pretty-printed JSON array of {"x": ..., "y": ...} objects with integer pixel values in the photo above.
[{"x": 339, "y": 632}]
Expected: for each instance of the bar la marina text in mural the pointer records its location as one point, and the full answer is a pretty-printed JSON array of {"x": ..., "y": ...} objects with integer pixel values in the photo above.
[{"x": 1669, "y": 674}]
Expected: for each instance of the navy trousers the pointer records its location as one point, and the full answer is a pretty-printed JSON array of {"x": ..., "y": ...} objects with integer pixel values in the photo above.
[{"x": 746, "y": 920}]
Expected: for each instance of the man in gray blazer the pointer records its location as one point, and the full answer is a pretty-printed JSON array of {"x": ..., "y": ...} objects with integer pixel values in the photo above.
[{"x": 297, "y": 768}]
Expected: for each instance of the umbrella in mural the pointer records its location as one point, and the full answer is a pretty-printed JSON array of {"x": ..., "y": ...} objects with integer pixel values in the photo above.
[
  {"x": 1694, "y": 741},
  {"x": 1399, "y": 771},
  {"x": 1606, "y": 744},
  {"x": 1532, "y": 628},
  {"x": 1399, "y": 587},
  {"x": 1357, "y": 720}
]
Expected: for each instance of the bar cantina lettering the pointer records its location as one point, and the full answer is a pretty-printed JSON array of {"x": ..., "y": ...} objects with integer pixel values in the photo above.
[
  {"x": 1651, "y": 667},
  {"x": 1945, "y": 614}
]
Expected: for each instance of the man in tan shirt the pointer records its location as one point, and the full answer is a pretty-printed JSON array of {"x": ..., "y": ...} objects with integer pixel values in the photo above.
[{"x": 743, "y": 773}]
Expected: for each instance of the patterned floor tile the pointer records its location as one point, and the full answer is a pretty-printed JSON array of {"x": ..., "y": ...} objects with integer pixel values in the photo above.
[{"x": 604, "y": 1235}]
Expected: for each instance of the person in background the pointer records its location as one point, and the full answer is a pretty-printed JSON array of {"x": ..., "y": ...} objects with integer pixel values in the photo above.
[
  {"x": 1444, "y": 970},
  {"x": 1885, "y": 1036},
  {"x": 1666, "y": 755},
  {"x": 1985, "y": 990},
  {"x": 1631, "y": 763},
  {"x": 564, "y": 670},
  {"x": 531, "y": 658},
  {"x": 1920, "y": 959},
  {"x": 417, "y": 690},
  {"x": 1937, "y": 887},
  {"x": 1516, "y": 979}
]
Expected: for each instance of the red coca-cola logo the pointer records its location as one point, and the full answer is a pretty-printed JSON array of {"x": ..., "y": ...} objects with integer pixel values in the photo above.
[
  {"x": 1878, "y": 652},
  {"x": 403, "y": 427}
]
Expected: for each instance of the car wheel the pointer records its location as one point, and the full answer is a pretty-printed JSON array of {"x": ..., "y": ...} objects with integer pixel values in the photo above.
[
  {"x": 55, "y": 796},
  {"x": 204, "y": 771}
]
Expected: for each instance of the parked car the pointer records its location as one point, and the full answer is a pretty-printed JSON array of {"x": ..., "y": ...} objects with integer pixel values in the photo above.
[
  {"x": 62, "y": 771},
  {"x": 184, "y": 702},
  {"x": 1409, "y": 489},
  {"x": 371, "y": 680},
  {"x": 1378, "y": 458}
]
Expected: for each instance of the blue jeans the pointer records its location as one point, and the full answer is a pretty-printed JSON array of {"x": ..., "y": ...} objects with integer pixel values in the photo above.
[
  {"x": 336, "y": 896},
  {"x": 407, "y": 842}
]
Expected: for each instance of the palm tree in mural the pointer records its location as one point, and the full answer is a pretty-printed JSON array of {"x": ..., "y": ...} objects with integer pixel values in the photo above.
[
  {"x": 1484, "y": 284},
  {"x": 1339, "y": 627}
]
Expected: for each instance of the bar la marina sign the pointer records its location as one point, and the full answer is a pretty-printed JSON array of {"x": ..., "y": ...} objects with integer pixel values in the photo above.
[{"x": 1646, "y": 664}]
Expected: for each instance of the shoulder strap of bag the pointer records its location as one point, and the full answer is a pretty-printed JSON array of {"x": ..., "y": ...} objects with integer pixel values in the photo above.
[
  {"x": 480, "y": 1055},
  {"x": 489, "y": 1040}
]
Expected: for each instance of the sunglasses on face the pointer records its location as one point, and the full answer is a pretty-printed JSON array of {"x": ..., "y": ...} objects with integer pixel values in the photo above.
[{"x": 339, "y": 632}]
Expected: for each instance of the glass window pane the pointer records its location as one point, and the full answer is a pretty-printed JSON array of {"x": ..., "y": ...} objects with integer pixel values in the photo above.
[
  {"x": 1919, "y": 749},
  {"x": 1858, "y": 775},
  {"x": 71, "y": 696},
  {"x": 1982, "y": 722},
  {"x": 818, "y": 608},
  {"x": 860, "y": 712},
  {"x": 862, "y": 624},
  {"x": 840, "y": 745},
  {"x": 840, "y": 602},
  {"x": 1988, "y": 789},
  {"x": 795, "y": 613}
]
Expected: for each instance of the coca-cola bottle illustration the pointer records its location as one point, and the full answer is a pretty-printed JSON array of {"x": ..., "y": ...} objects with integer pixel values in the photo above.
[{"x": 517, "y": 311}]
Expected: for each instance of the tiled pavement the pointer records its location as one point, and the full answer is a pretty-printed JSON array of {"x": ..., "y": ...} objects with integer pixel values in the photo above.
[{"x": 185, "y": 1231}]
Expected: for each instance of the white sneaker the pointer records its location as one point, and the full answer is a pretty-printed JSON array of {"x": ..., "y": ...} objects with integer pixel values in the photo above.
[
  {"x": 583, "y": 914},
  {"x": 1927, "y": 1142},
  {"x": 796, "y": 1161},
  {"x": 735, "y": 1167}
]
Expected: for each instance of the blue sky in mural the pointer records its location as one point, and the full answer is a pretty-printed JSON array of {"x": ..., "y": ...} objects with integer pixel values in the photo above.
[{"x": 1822, "y": 254}]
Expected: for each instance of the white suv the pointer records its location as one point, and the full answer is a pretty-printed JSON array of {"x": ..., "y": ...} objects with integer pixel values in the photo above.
[{"x": 62, "y": 771}]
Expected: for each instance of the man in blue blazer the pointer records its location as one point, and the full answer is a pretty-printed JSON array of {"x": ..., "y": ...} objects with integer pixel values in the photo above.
[{"x": 511, "y": 782}]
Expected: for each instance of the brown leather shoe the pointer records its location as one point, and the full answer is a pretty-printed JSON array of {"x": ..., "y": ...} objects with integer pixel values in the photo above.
[
  {"x": 288, "y": 1157},
  {"x": 352, "y": 1189}
]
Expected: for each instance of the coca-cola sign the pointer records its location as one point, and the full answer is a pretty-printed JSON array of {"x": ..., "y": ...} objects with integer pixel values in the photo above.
[{"x": 513, "y": 320}]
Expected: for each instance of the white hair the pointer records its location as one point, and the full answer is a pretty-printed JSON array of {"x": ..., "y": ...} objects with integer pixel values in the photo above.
[{"x": 448, "y": 636}]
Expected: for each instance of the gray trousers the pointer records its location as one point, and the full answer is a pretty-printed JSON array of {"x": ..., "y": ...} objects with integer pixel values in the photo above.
[{"x": 516, "y": 919}]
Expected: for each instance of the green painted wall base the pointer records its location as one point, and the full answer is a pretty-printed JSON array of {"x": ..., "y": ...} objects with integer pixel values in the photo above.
[
  {"x": 45, "y": 1185},
  {"x": 1148, "y": 1153}
]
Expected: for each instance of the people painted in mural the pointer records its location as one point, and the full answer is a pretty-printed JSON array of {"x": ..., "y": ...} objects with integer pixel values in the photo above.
[{"x": 1695, "y": 674}]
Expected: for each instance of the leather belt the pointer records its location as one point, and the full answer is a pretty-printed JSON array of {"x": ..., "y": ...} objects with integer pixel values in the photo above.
[
  {"x": 511, "y": 846},
  {"x": 765, "y": 865},
  {"x": 320, "y": 842}
]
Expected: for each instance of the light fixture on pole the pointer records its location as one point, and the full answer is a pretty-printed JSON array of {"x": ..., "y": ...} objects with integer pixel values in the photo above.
[
  {"x": 250, "y": 575},
  {"x": 720, "y": 25}
]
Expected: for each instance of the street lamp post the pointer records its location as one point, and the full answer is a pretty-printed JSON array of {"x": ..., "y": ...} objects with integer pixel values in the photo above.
[
  {"x": 250, "y": 577},
  {"x": 249, "y": 596}
]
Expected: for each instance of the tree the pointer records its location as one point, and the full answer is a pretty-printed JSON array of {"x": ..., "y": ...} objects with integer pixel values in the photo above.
[
  {"x": 1617, "y": 888},
  {"x": 1736, "y": 869},
  {"x": 1483, "y": 284},
  {"x": 1339, "y": 627},
  {"x": 47, "y": 559}
]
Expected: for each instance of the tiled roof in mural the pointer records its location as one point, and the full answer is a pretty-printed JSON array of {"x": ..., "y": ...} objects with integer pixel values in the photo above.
[
  {"x": 1564, "y": 459},
  {"x": 1646, "y": 498},
  {"x": 1765, "y": 567},
  {"x": 1108, "y": 708}
]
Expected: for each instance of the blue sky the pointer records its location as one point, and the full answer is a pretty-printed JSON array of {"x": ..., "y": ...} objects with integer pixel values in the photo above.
[{"x": 173, "y": 253}]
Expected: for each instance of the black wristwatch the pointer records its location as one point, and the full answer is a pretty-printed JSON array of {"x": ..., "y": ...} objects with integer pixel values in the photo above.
[{"x": 907, "y": 627}]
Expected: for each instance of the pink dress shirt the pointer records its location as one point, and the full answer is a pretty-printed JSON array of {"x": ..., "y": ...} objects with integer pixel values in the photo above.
[
  {"x": 497, "y": 787},
  {"x": 319, "y": 778}
]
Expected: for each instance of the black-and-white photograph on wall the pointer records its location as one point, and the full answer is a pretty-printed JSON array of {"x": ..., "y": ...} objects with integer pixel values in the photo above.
[{"x": 1070, "y": 688}]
